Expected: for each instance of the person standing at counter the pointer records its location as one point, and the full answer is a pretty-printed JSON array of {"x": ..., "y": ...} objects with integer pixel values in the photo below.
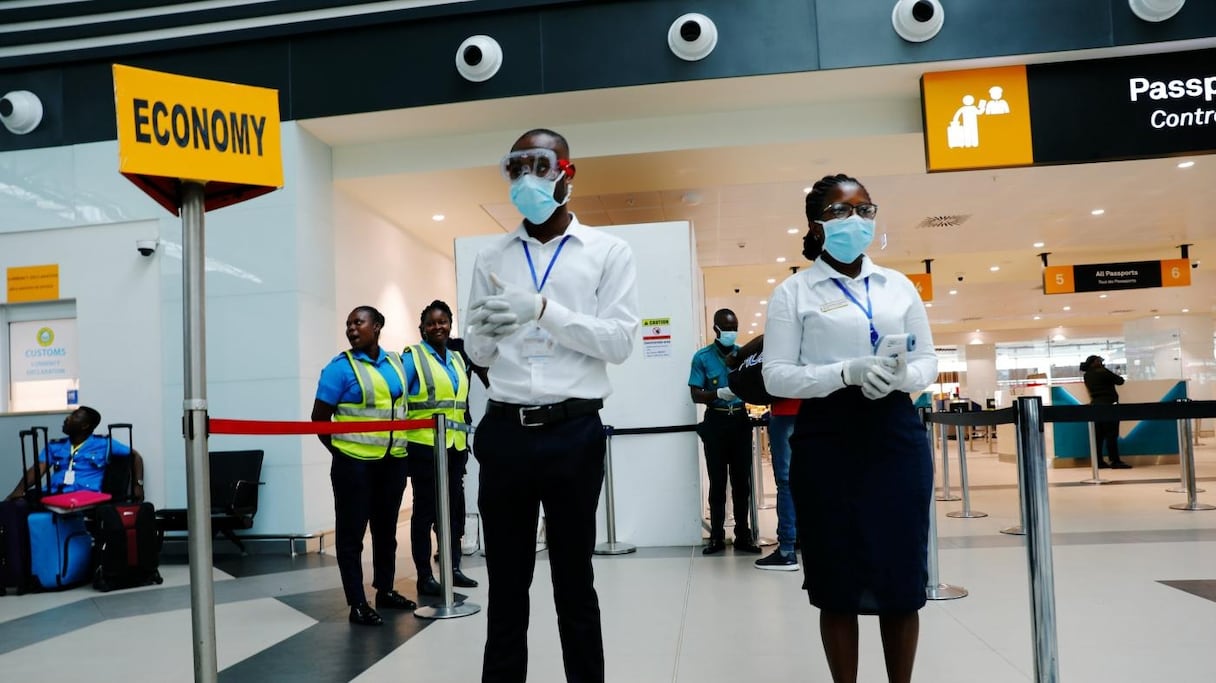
[{"x": 1100, "y": 382}]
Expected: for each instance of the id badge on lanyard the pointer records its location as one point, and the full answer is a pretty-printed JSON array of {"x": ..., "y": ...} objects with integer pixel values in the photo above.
[
  {"x": 538, "y": 345},
  {"x": 69, "y": 477}
]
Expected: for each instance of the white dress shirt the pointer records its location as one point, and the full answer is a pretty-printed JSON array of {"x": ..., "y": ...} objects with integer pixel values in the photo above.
[
  {"x": 591, "y": 314},
  {"x": 812, "y": 328}
]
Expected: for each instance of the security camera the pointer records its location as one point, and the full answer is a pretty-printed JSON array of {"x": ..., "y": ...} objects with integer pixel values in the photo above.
[
  {"x": 736, "y": 290},
  {"x": 20, "y": 111},
  {"x": 146, "y": 247},
  {"x": 917, "y": 20},
  {"x": 1155, "y": 10},
  {"x": 1195, "y": 264},
  {"x": 692, "y": 37},
  {"x": 960, "y": 278},
  {"x": 478, "y": 58}
]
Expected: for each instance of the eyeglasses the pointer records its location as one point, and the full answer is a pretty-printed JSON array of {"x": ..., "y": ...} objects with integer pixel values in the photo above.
[
  {"x": 844, "y": 210},
  {"x": 542, "y": 163}
]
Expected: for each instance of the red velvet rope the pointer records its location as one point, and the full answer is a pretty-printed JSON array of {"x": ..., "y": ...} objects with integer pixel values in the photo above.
[{"x": 223, "y": 426}]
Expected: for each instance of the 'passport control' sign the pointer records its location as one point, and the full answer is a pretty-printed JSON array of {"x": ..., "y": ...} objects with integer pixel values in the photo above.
[
  {"x": 1102, "y": 277},
  {"x": 173, "y": 128},
  {"x": 1071, "y": 112}
]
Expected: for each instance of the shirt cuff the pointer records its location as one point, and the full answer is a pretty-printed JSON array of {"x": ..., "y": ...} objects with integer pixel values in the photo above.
[{"x": 555, "y": 317}]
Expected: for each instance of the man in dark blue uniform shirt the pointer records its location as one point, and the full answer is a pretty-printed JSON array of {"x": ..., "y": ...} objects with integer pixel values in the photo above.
[{"x": 726, "y": 434}]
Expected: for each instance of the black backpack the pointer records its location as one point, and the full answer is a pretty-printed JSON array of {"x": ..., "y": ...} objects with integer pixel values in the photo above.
[{"x": 746, "y": 378}]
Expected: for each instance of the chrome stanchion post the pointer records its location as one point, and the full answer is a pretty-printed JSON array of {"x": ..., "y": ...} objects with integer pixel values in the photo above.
[
  {"x": 935, "y": 589},
  {"x": 1186, "y": 455},
  {"x": 762, "y": 436},
  {"x": 1183, "y": 465},
  {"x": 1020, "y": 528},
  {"x": 1033, "y": 468},
  {"x": 1093, "y": 458},
  {"x": 757, "y": 472},
  {"x": 966, "y": 512},
  {"x": 611, "y": 547},
  {"x": 443, "y": 512},
  {"x": 945, "y": 469}
]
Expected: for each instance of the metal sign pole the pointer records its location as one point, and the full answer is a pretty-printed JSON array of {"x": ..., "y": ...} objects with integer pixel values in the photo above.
[
  {"x": 449, "y": 609},
  {"x": 935, "y": 590},
  {"x": 611, "y": 547},
  {"x": 194, "y": 427},
  {"x": 1032, "y": 466}
]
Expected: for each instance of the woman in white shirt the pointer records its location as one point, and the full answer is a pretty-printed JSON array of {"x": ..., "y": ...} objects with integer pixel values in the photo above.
[{"x": 860, "y": 473}]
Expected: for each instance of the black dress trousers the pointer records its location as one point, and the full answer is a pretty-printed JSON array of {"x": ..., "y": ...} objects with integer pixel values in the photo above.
[
  {"x": 727, "y": 438},
  {"x": 366, "y": 492},
  {"x": 426, "y": 504},
  {"x": 560, "y": 466}
]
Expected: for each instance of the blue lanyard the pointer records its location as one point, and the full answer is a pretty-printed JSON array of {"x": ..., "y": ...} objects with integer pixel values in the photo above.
[
  {"x": 868, "y": 309},
  {"x": 541, "y": 285}
]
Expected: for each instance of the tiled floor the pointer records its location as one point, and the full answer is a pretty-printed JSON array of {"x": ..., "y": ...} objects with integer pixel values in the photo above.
[{"x": 1135, "y": 584}]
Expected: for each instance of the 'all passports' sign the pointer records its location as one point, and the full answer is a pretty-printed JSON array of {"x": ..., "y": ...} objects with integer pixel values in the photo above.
[
  {"x": 173, "y": 128},
  {"x": 1104, "y": 277}
]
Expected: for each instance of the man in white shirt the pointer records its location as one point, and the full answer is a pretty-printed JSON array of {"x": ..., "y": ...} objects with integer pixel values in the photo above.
[{"x": 551, "y": 304}]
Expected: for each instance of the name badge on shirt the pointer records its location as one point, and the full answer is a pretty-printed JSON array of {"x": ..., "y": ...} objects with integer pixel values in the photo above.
[
  {"x": 538, "y": 345},
  {"x": 69, "y": 477},
  {"x": 833, "y": 305}
]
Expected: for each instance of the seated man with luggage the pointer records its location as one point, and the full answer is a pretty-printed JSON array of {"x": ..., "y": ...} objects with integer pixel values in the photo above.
[{"x": 78, "y": 463}]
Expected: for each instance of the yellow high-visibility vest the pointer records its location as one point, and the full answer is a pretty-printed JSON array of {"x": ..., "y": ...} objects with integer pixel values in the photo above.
[
  {"x": 437, "y": 395},
  {"x": 377, "y": 404}
]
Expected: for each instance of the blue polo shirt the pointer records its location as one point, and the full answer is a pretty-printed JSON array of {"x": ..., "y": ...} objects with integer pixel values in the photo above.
[
  {"x": 709, "y": 372},
  {"x": 339, "y": 385},
  {"x": 89, "y": 462},
  {"x": 411, "y": 373}
]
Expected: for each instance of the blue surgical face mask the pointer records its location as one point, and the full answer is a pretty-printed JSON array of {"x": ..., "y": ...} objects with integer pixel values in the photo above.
[
  {"x": 847, "y": 238},
  {"x": 727, "y": 337},
  {"x": 533, "y": 196}
]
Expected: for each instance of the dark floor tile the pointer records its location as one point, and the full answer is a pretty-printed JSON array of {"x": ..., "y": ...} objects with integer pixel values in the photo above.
[{"x": 1204, "y": 588}]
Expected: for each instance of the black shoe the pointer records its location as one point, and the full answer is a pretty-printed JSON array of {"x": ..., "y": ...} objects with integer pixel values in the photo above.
[
  {"x": 429, "y": 586},
  {"x": 394, "y": 600},
  {"x": 745, "y": 546},
  {"x": 777, "y": 561},
  {"x": 715, "y": 546},
  {"x": 364, "y": 615},
  {"x": 1103, "y": 465},
  {"x": 460, "y": 580},
  {"x": 1120, "y": 465}
]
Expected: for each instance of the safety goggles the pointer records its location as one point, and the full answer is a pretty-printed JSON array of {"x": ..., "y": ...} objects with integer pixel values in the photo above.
[
  {"x": 844, "y": 209},
  {"x": 542, "y": 163}
]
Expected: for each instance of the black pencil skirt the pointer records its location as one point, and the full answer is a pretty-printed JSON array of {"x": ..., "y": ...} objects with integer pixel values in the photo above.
[{"x": 861, "y": 475}]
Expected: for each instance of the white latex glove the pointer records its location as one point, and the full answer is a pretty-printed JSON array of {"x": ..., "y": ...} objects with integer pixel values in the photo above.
[
  {"x": 525, "y": 304},
  {"x": 726, "y": 394},
  {"x": 884, "y": 377},
  {"x": 492, "y": 317},
  {"x": 854, "y": 371}
]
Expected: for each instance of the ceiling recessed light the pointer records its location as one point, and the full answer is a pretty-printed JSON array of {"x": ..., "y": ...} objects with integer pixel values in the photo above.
[
  {"x": 928, "y": 304},
  {"x": 977, "y": 329},
  {"x": 954, "y": 291},
  {"x": 1097, "y": 212},
  {"x": 758, "y": 314},
  {"x": 807, "y": 190},
  {"x": 1038, "y": 317},
  {"x": 780, "y": 259},
  {"x": 755, "y": 324},
  {"x": 792, "y": 231},
  {"x": 1186, "y": 310},
  {"x": 771, "y": 280},
  {"x": 1101, "y": 296},
  {"x": 763, "y": 302},
  {"x": 438, "y": 217},
  {"x": 994, "y": 268},
  {"x": 1068, "y": 308},
  {"x": 751, "y": 331},
  {"x": 1186, "y": 164},
  {"x": 1059, "y": 337},
  {"x": 1038, "y": 245},
  {"x": 1156, "y": 317}
]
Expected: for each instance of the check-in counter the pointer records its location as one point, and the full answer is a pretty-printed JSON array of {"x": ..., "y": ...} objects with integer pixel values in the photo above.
[{"x": 1140, "y": 442}]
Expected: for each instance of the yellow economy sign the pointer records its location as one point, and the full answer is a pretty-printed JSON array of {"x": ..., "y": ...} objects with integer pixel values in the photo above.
[
  {"x": 976, "y": 119},
  {"x": 174, "y": 127}
]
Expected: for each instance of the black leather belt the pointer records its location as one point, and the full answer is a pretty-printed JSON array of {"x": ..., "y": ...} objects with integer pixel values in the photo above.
[
  {"x": 538, "y": 416},
  {"x": 729, "y": 410}
]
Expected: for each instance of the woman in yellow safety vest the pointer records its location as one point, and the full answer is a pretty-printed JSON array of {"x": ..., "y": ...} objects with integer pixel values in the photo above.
[
  {"x": 438, "y": 381},
  {"x": 368, "y": 469}
]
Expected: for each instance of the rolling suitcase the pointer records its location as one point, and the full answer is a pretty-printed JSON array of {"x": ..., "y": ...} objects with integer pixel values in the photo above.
[
  {"x": 127, "y": 545},
  {"x": 14, "y": 546},
  {"x": 61, "y": 548}
]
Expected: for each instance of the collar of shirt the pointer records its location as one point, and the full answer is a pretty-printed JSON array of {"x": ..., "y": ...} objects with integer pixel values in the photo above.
[
  {"x": 821, "y": 271},
  {"x": 575, "y": 230},
  {"x": 446, "y": 359},
  {"x": 360, "y": 355}
]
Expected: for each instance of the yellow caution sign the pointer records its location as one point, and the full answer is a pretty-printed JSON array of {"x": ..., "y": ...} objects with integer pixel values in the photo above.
[
  {"x": 33, "y": 283},
  {"x": 174, "y": 128}
]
